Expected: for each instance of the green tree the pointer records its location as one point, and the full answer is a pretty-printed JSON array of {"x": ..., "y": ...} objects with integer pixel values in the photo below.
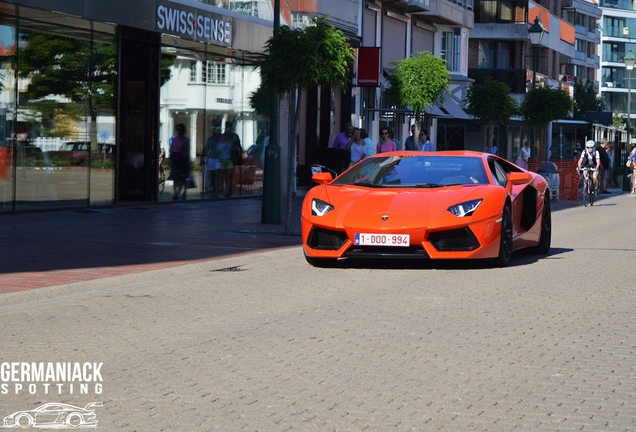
[
  {"x": 491, "y": 104},
  {"x": 82, "y": 72},
  {"x": 586, "y": 98},
  {"x": 418, "y": 82},
  {"x": 299, "y": 59},
  {"x": 618, "y": 120},
  {"x": 543, "y": 105}
]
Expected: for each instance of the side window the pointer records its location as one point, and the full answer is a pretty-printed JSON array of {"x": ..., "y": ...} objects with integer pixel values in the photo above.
[{"x": 499, "y": 174}]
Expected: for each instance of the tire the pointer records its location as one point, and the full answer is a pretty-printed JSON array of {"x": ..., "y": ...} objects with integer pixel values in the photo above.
[
  {"x": 586, "y": 193},
  {"x": 74, "y": 420},
  {"x": 162, "y": 181},
  {"x": 505, "y": 238},
  {"x": 545, "y": 239},
  {"x": 25, "y": 421},
  {"x": 320, "y": 262},
  {"x": 592, "y": 196}
]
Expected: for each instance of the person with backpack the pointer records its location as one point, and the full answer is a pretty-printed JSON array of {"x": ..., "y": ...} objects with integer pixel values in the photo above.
[{"x": 590, "y": 158}]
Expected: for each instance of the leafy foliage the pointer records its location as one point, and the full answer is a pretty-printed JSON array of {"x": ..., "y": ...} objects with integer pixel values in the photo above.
[
  {"x": 586, "y": 98},
  {"x": 299, "y": 59},
  {"x": 491, "y": 105},
  {"x": 418, "y": 82},
  {"x": 317, "y": 55},
  {"x": 543, "y": 105}
]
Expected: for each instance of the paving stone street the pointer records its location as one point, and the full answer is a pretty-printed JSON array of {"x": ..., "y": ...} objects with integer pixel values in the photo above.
[{"x": 263, "y": 341}]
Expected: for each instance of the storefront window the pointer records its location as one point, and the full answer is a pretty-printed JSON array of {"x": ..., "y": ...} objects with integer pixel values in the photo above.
[
  {"x": 59, "y": 139},
  {"x": 210, "y": 96}
]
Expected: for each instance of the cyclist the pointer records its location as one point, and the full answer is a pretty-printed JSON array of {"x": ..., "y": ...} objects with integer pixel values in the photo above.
[{"x": 590, "y": 158}]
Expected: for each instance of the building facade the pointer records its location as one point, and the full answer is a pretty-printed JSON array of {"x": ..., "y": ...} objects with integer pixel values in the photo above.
[
  {"x": 91, "y": 90},
  {"x": 500, "y": 48},
  {"x": 618, "y": 37}
]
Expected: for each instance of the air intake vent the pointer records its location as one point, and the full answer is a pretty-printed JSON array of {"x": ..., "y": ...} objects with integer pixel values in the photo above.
[
  {"x": 320, "y": 238},
  {"x": 454, "y": 240}
]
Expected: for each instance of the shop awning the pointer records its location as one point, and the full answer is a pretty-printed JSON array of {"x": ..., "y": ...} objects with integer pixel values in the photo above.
[{"x": 452, "y": 109}]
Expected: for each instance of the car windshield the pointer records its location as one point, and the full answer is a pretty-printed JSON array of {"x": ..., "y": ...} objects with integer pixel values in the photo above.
[{"x": 411, "y": 171}]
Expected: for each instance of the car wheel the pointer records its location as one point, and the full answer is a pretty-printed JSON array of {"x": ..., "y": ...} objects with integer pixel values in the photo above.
[
  {"x": 505, "y": 239},
  {"x": 320, "y": 262},
  {"x": 546, "y": 229},
  {"x": 24, "y": 421},
  {"x": 74, "y": 420}
]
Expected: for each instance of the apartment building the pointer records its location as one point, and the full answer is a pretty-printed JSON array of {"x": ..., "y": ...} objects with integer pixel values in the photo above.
[
  {"x": 500, "y": 48},
  {"x": 618, "y": 38}
]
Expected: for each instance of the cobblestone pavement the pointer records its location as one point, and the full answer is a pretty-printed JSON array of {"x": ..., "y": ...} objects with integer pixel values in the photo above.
[
  {"x": 62, "y": 247},
  {"x": 266, "y": 342}
]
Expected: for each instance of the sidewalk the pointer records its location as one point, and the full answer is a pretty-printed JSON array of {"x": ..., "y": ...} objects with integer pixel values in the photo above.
[{"x": 62, "y": 247}]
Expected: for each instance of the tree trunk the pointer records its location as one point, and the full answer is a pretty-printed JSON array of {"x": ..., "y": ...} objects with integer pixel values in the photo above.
[{"x": 291, "y": 176}]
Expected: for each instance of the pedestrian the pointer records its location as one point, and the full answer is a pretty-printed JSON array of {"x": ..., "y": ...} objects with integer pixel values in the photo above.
[
  {"x": 409, "y": 143},
  {"x": 357, "y": 148},
  {"x": 605, "y": 165},
  {"x": 369, "y": 142},
  {"x": 524, "y": 155},
  {"x": 398, "y": 145},
  {"x": 212, "y": 164},
  {"x": 344, "y": 137},
  {"x": 385, "y": 144},
  {"x": 179, "y": 161},
  {"x": 577, "y": 151},
  {"x": 632, "y": 158},
  {"x": 230, "y": 154},
  {"x": 424, "y": 143}
]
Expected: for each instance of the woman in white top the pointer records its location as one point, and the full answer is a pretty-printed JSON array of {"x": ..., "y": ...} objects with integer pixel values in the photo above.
[
  {"x": 357, "y": 147},
  {"x": 524, "y": 155}
]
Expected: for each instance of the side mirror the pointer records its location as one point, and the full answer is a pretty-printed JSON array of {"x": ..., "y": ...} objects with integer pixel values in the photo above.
[
  {"x": 322, "y": 178},
  {"x": 518, "y": 178}
]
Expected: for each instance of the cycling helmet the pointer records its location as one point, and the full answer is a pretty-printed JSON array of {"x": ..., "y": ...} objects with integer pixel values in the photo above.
[{"x": 590, "y": 144}]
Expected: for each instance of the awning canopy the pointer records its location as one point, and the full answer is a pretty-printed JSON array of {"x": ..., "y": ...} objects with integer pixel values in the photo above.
[{"x": 452, "y": 109}]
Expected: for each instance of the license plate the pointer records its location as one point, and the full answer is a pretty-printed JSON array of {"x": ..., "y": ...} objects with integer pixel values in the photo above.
[{"x": 364, "y": 239}]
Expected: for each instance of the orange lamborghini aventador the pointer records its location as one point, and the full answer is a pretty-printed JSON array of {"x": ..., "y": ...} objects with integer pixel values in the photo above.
[{"x": 421, "y": 205}]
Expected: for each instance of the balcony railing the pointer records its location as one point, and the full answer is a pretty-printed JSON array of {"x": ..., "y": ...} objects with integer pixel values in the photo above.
[
  {"x": 514, "y": 78},
  {"x": 616, "y": 4}
]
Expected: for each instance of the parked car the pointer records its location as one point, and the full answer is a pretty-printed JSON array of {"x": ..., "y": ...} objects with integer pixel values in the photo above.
[{"x": 77, "y": 152}]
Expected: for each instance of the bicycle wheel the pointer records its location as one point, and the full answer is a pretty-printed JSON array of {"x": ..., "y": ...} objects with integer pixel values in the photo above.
[
  {"x": 592, "y": 195},
  {"x": 586, "y": 192},
  {"x": 162, "y": 180}
]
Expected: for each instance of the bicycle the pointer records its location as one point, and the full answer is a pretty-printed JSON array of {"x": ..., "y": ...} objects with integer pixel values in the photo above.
[
  {"x": 161, "y": 179},
  {"x": 589, "y": 192}
]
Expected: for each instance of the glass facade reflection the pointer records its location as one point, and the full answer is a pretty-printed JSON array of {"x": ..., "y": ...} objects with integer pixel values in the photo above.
[
  {"x": 86, "y": 106},
  {"x": 57, "y": 116},
  {"x": 205, "y": 93}
]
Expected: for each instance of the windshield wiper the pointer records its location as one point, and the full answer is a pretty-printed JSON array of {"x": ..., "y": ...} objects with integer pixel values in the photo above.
[{"x": 428, "y": 185}]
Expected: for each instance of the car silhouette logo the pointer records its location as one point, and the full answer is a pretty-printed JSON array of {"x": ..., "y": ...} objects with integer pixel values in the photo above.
[
  {"x": 385, "y": 218},
  {"x": 54, "y": 416}
]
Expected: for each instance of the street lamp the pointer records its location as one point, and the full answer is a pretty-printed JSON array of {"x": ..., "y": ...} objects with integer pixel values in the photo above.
[
  {"x": 535, "y": 33},
  {"x": 629, "y": 61}
]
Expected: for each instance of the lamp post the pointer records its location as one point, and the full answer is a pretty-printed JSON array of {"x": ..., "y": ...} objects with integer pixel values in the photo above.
[
  {"x": 535, "y": 33},
  {"x": 629, "y": 61}
]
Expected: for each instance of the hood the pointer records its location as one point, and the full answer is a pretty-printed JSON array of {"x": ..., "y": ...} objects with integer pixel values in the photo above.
[{"x": 359, "y": 206}]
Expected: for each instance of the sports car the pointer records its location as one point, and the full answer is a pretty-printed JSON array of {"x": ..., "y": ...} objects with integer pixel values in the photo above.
[
  {"x": 54, "y": 416},
  {"x": 426, "y": 205}
]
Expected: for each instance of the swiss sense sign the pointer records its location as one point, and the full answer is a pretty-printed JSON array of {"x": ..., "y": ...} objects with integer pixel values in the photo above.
[{"x": 368, "y": 67}]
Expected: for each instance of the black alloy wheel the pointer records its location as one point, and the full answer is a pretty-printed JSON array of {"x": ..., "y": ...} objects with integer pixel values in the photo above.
[{"x": 505, "y": 239}]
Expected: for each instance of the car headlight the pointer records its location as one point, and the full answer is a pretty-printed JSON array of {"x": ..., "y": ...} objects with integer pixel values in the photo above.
[
  {"x": 465, "y": 209},
  {"x": 319, "y": 207}
]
